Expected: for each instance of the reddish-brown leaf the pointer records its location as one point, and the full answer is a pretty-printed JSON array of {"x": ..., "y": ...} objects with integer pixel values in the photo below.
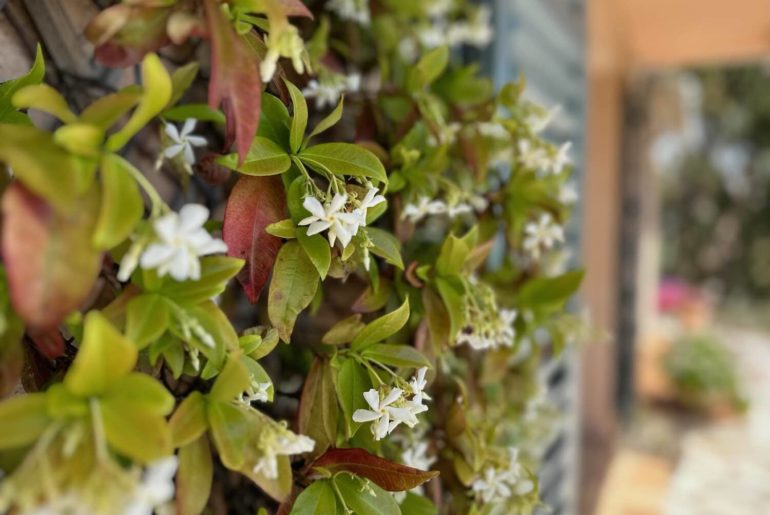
[
  {"x": 388, "y": 475},
  {"x": 254, "y": 203},
  {"x": 294, "y": 8},
  {"x": 48, "y": 256},
  {"x": 50, "y": 343},
  {"x": 235, "y": 81},
  {"x": 123, "y": 34}
]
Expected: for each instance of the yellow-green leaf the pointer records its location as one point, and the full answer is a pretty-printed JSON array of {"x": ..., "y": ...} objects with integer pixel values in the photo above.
[
  {"x": 24, "y": 418},
  {"x": 46, "y": 99},
  {"x": 194, "y": 477},
  {"x": 381, "y": 328},
  {"x": 294, "y": 284},
  {"x": 189, "y": 420},
  {"x": 121, "y": 204},
  {"x": 147, "y": 317}
]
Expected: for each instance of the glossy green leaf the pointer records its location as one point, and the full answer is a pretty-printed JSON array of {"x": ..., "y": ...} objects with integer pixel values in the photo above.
[
  {"x": 24, "y": 420},
  {"x": 121, "y": 205},
  {"x": 231, "y": 382},
  {"x": 381, "y": 328},
  {"x": 216, "y": 271},
  {"x": 157, "y": 93},
  {"x": 263, "y": 158},
  {"x": 365, "y": 499},
  {"x": 430, "y": 66},
  {"x": 343, "y": 331},
  {"x": 194, "y": 477},
  {"x": 7, "y": 89},
  {"x": 200, "y": 112},
  {"x": 551, "y": 290},
  {"x": 396, "y": 355},
  {"x": 329, "y": 121},
  {"x": 317, "y": 249},
  {"x": 108, "y": 110},
  {"x": 298, "y": 119},
  {"x": 104, "y": 357},
  {"x": 352, "y": 382},
  {"x": 147, "y": 317},
  {"x": 229, "y": 430},
  {"x": 274, "y": 121},
  {"x": 218, "y": 327},
  {"x": 43, "y": 97},
  {"x": 80, "y": 139},
  {"x": 452, "y": 258},
  {"x": 189, "y": 421},
  {"x": 294, "y": 284},
  {"x": 452, "y": 293},
  {"x": 386, "y": 246},
  {"x": 318, "y": 498},
  {"x": 181, "y": 80},
  {"x": 284, "y": 229},
  {"x": 344, "y": 159},
  {"x": 137, "y": 433},
  {"x": 318, "y": 406},
  {"x": 415, "y": 504},
  {"x": 141, "y": 391}
]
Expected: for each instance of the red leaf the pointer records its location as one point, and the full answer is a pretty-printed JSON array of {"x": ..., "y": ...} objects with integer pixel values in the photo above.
[
  {"x": 235, "y": 80},
  {"x": 294, "y": 8},
  {"x": 254, "y": 203},
  {"x": 50, "y": 343},
  {"x": 49, "y": 259},
  {"x": 391, "y": 476}
]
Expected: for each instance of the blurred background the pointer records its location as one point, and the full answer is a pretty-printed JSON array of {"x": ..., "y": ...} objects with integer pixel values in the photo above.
[{"x": 667, "y": 103}]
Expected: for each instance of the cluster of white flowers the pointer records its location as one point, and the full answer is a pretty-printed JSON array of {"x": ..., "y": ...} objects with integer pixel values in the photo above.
[
  {"x": 328, "y": 90},
  {"x": 155, "y": 489},
  {"x": 332, "y": 217},
  {"x": 281, "y": 442},
  {"x": 392, "y": 408},
  {"x": 415, "y": 455},
  {"x": 181, "y": 143},
  {"x": 475, "y": 30},
  {"x": 542, "y": 234},
  {"x": 482, "y": 334},
  {"x": 499, "y": 485},
  {"x": 284, "y": 41},
  {"x": 544, "y": 158},
  {"x": 180, "y": 240},
  {"x": 427, "y": 207},
  {"x": 540, "y": 120},
  {"x": 353, "y": 10}
]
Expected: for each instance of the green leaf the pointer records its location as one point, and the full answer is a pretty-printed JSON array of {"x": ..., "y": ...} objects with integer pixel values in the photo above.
[
  {"x": 24, "y": 420},
  {"x": 264, "y": 158},
  {"x": 269, "y": 339},
  {"x": 194, "y": 477},
  {"x": 232, "y": 381},
  {"x": 318, "y": 498},
  {"x": 294, "y": 284},
  {"x": 298, "y": 119},
  {"x": 415, "y": 504},
  {"x": 137, "y": 433},
  {"x": 452, "y": 258},
  {"x": 365, "y": 499},
  {"x": 104, "y": 357},
  {"x": 318, "y": 406},
  {"x": 216, "y": 324},
  {"x": 317, "y": 249},
  {"x": 352, "y": 382},
  {"x": 143, "y": 392},
  {"x": 396, "y": 355},
  {"x": 121, "y": 205},
  {"x": 381, "y": 328},
  {"x": 157, "y": 93},
  {"x": 9, "y": 88},
  {"x": 284, "y": 229},
  {"x": 230, "y": 432},
  {"x": 344, "y": 159},
  {"x": 544, "y": 291},
  {"x": 452, "y": 293},
  {"x": 274, "y": 121},
  {"x": 329, "y": 121},
  {"x": 216, "y": 271},
  {"x": 147, "y": 317},
  {"x": 181, "y": 79},
  {"x": 41, "y": 165},
  {"x": 386, "y": 246},
  {"x": 189, "y": 421},
  {"x": 43, "y": 98},
  {"x": 107, "y": 110},
  {"x": 343, "y": 331},
  {"x": 82, "y": 140},
  {"x": 200, "y": 112},
  {"x": 430, "y": 66}
]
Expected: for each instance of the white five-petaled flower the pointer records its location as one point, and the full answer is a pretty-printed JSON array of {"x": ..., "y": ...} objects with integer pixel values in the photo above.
[
  {"x": 560, "y": 159},
  {"x": 371, "y": 199},
  {"x": 492, "y": 487},
  {"x": 418, "y": 383},
  {"x": 328, "y": 91},
  {"x": 516, "y": 475},
  {"x": 542, "y": 234},
  {"x": 183, "y": 142},
  {"x": 381, "y": 412},
  {"x": 182, "y": 239},
  {"x": 424, "y": 207},
  {"x": 155, "y": 489},
  {"x": 331, "y": 217},
  {"x": 568, "y": 193},
  {"x": 258, "y": 392},
  {"x": 284, "y": 444}
]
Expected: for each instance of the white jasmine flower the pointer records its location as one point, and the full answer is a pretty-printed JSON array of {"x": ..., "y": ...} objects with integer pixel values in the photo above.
[
  {"x": 371, "y": 199},
  {"x": 155, "y": 489},
  {"x": 458, "y": 209},
  {"x": 380, "y": 414},
  {"x": 542, "y": 234},
  {"x": 493, "y": 130},
  {"x": 561, "y": 159},
  {"x": 328, "y": 91},
  {"x": 353, "y": 10},
  {"x": 424, "y": 207},
  {"x": 273, "y": 445},
  {"x": 506, "y": 332},
  {"x": 533, "y": 157},
  {"x": 492, "y": 487},
  {"x": 538, "y": 122},
  {"x": 479, "y": 203},
  {"x": 418, "y": 383},
  {"x": 516, "y": 475},
  {"x": 283, "y": 41},
  {"x": 183, "y": 142},
  {"x": 258, "y": 392},
  {"x": 331, "y": 217},
  {"x": 182, "y": 239},
  {"x": 416, "y": 456}
]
